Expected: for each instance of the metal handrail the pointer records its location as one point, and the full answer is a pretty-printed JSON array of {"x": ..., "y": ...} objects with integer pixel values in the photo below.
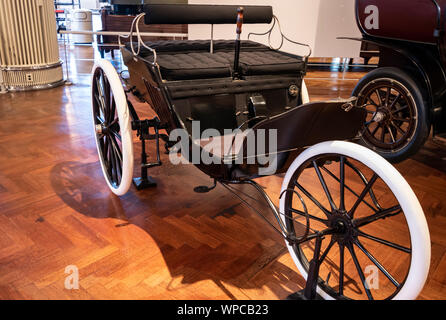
[{"x": 269, "y": 32}]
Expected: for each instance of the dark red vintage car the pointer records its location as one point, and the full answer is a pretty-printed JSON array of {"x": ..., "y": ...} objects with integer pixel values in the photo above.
[{"x": 405, "y": 95}]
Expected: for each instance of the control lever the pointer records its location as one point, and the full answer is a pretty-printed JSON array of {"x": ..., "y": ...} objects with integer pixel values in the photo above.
[{"x": 236, "y": 74}]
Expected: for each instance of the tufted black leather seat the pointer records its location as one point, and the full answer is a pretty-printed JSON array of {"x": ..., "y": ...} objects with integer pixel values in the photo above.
[{"x": 191, "y": 59}]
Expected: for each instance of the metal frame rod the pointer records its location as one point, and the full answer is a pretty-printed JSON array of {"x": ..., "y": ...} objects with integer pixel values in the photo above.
[
  {"x": 276, "y": 213},
  {"x": 123, "y": 33}
]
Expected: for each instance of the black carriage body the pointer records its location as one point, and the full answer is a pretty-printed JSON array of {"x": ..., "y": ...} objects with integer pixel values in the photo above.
[
  {"x": 190, "y": 83},
  {"x": 410, "y": 36}
]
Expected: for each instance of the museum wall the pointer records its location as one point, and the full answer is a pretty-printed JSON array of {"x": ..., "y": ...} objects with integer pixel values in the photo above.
[{"x": 316, "y": 22}]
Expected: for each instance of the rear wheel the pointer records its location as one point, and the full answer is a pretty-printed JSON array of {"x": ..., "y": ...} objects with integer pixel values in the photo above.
[
  {"x": 397, "y": 123},
  {"x": 112, "y": 127},
  {"x": 381, "y": 247}
]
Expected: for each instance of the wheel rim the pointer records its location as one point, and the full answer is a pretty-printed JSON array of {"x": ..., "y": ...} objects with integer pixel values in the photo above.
[
  {"x": 107, "y": 128},
  {"x": 392, "y": 115},
  {"x": 348, "y": 197}
]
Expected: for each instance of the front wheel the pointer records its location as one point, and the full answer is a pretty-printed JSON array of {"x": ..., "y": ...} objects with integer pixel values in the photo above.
[
  {"x": 381, "y": 246},
  {"x": 397, "y": 123}
]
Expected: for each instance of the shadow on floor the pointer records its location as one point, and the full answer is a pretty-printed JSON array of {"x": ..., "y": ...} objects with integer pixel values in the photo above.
[{"x": 221, "y": 240}]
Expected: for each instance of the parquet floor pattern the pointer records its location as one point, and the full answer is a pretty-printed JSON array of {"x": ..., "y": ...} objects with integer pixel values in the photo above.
[{"x": 163, "y": 243}]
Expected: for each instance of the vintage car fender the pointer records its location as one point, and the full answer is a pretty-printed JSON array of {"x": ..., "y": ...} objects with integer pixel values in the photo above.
[
  {"x": 423, "y": 66},
  {"x": 410, "y": 37}
]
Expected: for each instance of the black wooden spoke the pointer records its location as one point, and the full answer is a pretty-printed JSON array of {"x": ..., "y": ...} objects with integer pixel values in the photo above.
[
  {"x": 106, "y": 146},
  {"x": 113, "y": 122},
  {"x": 349, "y": 189},
  {"x": 376, "y": 129},
  {"x": 383, "y": 135},
  {"x": 398, "y": 128},
  {"x": 99, "y": 120},
  {"x": 368, "y": 123},
  {"x": 112, "y": 164},
  {"x": 341, "y": 269},
  {"x": 379, "y": 97},
  {"x": 361, "y": 197},
  {"x": 100, "y": 93},
  {"x": 324, "y": 186},
  {"x": 112, "y": 114},
  {"x": 342, "y": 183},
  {"x": 107, "y": 100},
  {"x": 400, "y": 109},
  {"x": 327, "y": 250},
  {"x": 365, "y": 181},
  {"x": 116, "y": 135},
  {"x": 359, "y": 270},
  {"x": 110, "y": 160},
  {"x": 391, "y": 134},
  {"x": 395, "y": 101},
  {"x": 118, "y": 166},
  {"x": 100, "y": 104},
  {"x": 303, "y": 214},
  {"x": 372, "y": 102},
  {"x": 103, "y": 92},
  {"x": 376, "y": 263},
  {"x": 317, "y": 203},
  {"x": 383, "y": 214},
  {"x": 385, "y": 242},
  {"x": 401, "y": 119},
  {"x": 115, "y": 166},
  {"x": 116, "y": 148}
]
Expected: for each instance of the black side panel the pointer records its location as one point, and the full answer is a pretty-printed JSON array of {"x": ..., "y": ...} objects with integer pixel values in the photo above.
[
  {"x": 215, "y": 112},
  {"x": 204, "y": 14},
  {"x": 313, "y": 123}
]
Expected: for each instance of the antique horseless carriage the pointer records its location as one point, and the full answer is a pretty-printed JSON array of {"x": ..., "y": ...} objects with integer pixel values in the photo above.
[
  {"x": 405, "y": 96},
  {"x": 345, "y": 213}
]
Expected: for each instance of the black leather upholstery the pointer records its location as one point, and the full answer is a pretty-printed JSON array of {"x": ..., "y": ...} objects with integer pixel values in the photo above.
[{"x": 188, "y": 59}]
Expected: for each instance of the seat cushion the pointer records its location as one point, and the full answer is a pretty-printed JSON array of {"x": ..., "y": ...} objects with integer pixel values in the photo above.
[
  {"x": 194, "y": 65},
  {"x": 191, "y": 59},
  {"x": 269, "y": 62}
]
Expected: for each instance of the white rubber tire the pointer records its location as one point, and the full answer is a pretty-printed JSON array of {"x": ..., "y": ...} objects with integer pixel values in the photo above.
[
  {"x": 125, "y": 128},
  {"x": 418, "y": 228},
  {"x": 304, "y": 93}
]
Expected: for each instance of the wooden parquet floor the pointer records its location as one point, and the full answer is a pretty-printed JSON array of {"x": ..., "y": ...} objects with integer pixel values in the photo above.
[{"x": 163, "y": 243}]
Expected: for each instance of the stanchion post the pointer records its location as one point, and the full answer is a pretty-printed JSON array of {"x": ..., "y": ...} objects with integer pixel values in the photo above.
[
  {"x": 67, "y": 80},
  {"x": 2, "y": 83}
]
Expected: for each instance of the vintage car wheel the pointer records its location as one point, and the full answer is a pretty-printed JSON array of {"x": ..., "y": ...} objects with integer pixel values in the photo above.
[
  {"x": 397, "y": 123},
  {"x": 381, "y": 245},
  {"x": 112, "y": 127}
]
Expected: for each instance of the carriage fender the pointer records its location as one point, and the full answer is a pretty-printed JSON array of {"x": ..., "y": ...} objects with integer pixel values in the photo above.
[{"x": 419, "y": 63}]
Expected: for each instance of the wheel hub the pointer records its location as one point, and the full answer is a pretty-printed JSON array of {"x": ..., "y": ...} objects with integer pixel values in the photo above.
[
  {"x": 343, "y": 226},
  {"x": 379, "y": 116}
]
